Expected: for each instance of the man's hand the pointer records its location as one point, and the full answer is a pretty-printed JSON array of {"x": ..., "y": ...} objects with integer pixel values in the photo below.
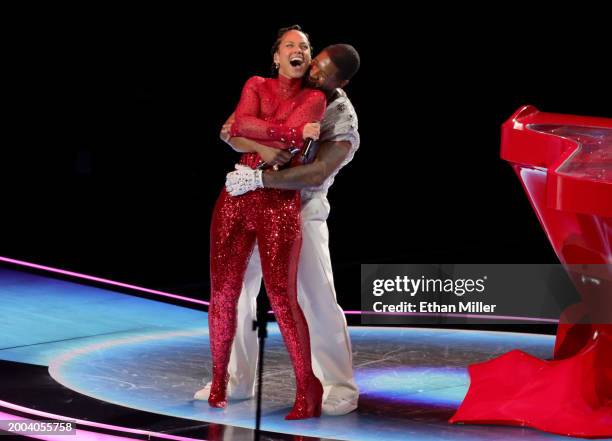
[
  {"x": 242, "y": 180},
  {"x": 311, "y": 130},
  {"x": 329, "y": 157}
]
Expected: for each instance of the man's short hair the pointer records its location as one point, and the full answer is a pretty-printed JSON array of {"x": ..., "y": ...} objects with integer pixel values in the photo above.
[{"x": 346, "y": 59}]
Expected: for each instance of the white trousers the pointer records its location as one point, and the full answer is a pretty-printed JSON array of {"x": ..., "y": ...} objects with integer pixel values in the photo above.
[{"x": 330, "y": 344}]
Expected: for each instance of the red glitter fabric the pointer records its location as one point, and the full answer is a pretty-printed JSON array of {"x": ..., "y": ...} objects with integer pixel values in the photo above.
[{"x": 273, "y": 112}]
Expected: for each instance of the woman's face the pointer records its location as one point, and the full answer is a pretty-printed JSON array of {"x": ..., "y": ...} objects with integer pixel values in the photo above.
[{"x": 293, "y": 55}]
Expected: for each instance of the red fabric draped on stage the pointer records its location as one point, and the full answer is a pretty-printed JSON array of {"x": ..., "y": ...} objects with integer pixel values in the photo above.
[{"x": 565, "y": 165}]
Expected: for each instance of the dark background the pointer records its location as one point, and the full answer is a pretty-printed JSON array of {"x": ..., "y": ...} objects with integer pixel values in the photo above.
[{"x": 111, "y": 161}]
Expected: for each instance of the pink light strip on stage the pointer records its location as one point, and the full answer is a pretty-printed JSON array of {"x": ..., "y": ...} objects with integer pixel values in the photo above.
[
  {"x": 84, "y": 434},
  {"x": 101, "y": 280},
  {"x": 203, "y": 302}
]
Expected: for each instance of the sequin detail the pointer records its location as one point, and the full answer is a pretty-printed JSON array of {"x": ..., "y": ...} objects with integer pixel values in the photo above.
[
  {"x": 272, "y": 217},
  {"x": 273, "y": 111}
]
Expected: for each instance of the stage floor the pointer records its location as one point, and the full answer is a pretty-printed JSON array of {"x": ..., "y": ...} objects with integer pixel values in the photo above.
[{"x": 152, "y": 356}]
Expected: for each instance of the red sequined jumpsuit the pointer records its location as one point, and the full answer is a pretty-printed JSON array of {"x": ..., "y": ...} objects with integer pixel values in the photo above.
[{"x": 272, "y": 112}]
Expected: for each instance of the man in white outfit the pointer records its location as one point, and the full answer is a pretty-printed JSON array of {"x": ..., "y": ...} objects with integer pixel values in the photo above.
[{"x": 330, "y": 343}]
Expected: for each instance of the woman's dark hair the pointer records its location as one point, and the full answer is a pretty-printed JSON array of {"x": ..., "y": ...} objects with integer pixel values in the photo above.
[{"x": 279, "y": 37}]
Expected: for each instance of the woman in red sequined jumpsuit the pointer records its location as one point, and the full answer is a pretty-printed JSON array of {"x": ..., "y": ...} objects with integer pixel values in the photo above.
[{"x": 275, "y": 112}]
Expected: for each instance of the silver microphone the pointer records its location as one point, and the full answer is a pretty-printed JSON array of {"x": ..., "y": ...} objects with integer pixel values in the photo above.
[{"x": 307, "y": 146}]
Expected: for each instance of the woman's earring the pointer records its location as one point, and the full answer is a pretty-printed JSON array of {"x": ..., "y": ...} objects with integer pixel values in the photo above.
[{"x": 276, "y": 65}]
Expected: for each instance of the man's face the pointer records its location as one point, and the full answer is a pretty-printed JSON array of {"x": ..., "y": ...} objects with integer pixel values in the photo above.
[{"x": 323, "y": 73}]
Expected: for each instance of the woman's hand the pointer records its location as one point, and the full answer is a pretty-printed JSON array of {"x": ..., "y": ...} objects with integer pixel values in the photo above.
[
  {"x": 274, "y": 156},
  {"x": 311, "y": 130},
  {"x": 225, "y": 130}
]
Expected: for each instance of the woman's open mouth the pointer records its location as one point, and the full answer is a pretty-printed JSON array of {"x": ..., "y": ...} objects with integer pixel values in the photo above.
[{"x": 296, "y": 61}]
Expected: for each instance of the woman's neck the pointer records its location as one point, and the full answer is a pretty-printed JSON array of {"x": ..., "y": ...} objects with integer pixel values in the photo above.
[{"x": 288, "y": 87}]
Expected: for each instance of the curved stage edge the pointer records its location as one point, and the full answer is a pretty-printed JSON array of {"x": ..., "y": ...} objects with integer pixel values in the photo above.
[{"x": 136, "y": 362}]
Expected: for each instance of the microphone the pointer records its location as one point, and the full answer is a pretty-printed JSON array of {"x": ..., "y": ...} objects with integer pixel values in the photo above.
[{"x": 307, "y": 146}]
